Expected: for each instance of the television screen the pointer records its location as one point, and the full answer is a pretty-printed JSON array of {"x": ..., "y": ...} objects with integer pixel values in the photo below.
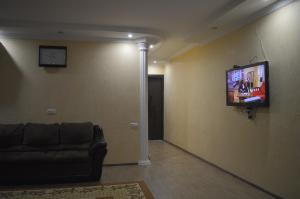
[{"x": 248, "y": 85}]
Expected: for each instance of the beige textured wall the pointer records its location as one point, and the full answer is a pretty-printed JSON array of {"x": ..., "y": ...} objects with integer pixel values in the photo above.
[
  {"x": 100, "y": 84},
  {"x": 265, "y": 151},
  {"x": 156, "y": 69}
]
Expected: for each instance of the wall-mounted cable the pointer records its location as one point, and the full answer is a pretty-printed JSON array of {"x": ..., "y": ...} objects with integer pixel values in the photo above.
[{"x": 261, "y": 43}]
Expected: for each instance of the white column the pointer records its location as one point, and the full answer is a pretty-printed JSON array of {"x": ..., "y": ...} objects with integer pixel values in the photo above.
[{"x": 144, "y": 151}]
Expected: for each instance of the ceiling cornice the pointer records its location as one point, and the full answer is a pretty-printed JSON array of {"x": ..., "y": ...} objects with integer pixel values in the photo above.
[
  {"x": 261, "y": 13},
  {"x": 72, "y": 31}
]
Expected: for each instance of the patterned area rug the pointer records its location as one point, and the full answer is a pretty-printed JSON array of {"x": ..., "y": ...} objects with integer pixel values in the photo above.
[{"x": 134, "y": 190}]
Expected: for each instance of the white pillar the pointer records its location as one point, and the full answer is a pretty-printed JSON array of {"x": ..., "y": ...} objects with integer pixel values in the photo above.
[{"x": 144, "y": 151}]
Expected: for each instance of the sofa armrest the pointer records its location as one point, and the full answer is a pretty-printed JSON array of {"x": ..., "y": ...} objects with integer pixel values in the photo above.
[
  {"x": 97, "y": 152},
  {"x": 99, "y": 144}
]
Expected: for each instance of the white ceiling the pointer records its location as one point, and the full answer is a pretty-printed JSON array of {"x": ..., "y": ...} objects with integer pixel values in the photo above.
[{"x": 173, "y": 25}]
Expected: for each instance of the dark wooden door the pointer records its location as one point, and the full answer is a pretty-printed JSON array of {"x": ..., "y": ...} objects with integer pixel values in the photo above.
[{"x": 156, "y": 107}]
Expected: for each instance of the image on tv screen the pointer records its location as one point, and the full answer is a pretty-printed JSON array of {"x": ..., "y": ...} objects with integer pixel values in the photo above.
[{"x": 247, "y": 85}]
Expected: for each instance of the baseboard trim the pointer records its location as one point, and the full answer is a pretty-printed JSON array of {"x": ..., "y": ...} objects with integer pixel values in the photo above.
[
  {"x": 140, "y": 163},
  {"x": 228, "y": 172},
  {"x": 121, "y": 164}
]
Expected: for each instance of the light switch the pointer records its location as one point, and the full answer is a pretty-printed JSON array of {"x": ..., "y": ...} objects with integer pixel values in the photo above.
[{"x": 133, "y": 124}]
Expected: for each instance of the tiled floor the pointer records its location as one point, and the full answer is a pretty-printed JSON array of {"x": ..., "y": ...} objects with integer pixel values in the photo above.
[{"x": 175, "y": 174}]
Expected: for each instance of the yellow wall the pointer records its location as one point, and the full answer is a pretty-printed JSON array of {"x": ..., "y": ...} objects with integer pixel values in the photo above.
[
  {"x": 100, "y": 84},
  {"x": 156, "y": 69},
  {"x": 265, "y": 151}
]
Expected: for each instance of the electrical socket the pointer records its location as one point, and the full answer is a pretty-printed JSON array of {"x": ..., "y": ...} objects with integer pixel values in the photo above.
[{"x": 51, "y": 111}]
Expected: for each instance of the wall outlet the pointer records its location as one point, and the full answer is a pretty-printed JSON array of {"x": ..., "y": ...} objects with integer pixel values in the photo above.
[{"x": 51, "y": 111}]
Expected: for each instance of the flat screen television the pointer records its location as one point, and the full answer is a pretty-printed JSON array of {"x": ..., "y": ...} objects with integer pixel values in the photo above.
[
  {"x": 53, "y": 56},
  {"x": 248, "y": 85}
]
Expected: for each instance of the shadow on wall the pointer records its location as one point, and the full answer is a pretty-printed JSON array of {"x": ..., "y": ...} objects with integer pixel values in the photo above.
[
  {"x": 10, "y": 79},
  {"x": 53, "y": 70}
]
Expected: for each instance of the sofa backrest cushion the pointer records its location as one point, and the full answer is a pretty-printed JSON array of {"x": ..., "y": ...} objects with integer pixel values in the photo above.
[
  {"x": 76, "y": 133},
  {"x": 41, "y": 134},
  {"x": 10, "y": 135}
]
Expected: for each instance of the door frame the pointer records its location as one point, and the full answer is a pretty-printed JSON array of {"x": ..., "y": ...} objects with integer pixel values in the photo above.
[{"x": 162, "y": 77}]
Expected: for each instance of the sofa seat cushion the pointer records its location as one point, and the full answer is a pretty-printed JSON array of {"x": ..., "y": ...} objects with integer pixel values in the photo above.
[
  {"x": 84, "y": 146},
  {"x": 77, "y": 147},
  {"x": 26, "y": 148},
  {"x": 76, "y": 133},
  {"x": 38, "y": 157},
  {"x": 10, "y": 135},
  {"x": 41, "y": 134},
  {"x": 69, "y": 156},
  {"x": 17, "y": 148}
]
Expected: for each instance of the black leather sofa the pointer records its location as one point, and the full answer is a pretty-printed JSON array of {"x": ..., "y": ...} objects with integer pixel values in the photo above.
[{"x": 51, "y": 153}]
